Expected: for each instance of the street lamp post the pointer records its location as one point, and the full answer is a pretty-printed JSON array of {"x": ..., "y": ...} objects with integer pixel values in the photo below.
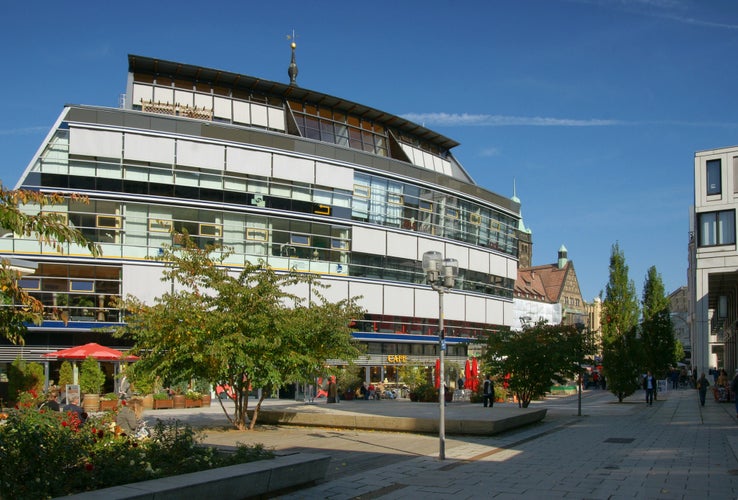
[{"x": 440, "y": 274}]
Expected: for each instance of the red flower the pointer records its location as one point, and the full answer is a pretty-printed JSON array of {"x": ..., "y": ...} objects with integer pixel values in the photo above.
[
  {"x": 64, "y": 423},
  {"x": 89, "y": 466}
]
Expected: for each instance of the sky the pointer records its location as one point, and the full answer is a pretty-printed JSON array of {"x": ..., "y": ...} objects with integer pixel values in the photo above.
[{"x": 590, "y": 111}]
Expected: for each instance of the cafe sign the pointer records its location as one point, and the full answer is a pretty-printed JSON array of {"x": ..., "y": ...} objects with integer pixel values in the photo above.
[{"x": 397, "y": 358}]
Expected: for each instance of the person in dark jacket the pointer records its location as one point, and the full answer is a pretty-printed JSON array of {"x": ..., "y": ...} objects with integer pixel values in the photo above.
[
  {"x": 649, "y": 385},
  {"x": 702, "y": 385},
  {"x": 488, "y": 392}
]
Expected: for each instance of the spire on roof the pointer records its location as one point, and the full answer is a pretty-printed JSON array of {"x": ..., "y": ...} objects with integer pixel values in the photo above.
[
  {"x": 292, "y": 71},
  {"x": 521, "y": 224},
  {"x": 563, "y": 257}
]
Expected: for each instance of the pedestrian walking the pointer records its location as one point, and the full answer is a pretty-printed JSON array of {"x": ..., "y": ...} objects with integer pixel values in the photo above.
[
  {"x": 488, "y": 394},
  {"x": 649, "y": 384},
  {"x": 702, "y": 385},
  {"x": 332, "y": 391}
]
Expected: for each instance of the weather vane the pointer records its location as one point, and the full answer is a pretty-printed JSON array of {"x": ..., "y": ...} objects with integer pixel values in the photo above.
[
  {"x": 292, "y": 71},
  {"x": 292, "y": 37}
]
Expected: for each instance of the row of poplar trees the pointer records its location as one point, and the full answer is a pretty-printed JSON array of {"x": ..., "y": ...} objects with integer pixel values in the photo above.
[{"x": 636, "y": 336}]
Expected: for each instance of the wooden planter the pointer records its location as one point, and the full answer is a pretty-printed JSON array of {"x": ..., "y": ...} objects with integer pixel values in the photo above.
[
  {"x": 206, "y": 400},
  {"x": 193, "y": 403},
  {"x": 148, "y": 402},
  {"x": 91, "y": 403},
  {"x": 160, "y": 404},
  {"x": 108, "y": 404},
  {"x": 179, "y": 401}
]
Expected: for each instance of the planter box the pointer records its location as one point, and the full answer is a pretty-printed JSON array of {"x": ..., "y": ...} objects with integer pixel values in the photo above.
[
  {"x": 193, "y": 403},
  {"x": 160, "y": 404},
  {"x": 108, "y": 404}
]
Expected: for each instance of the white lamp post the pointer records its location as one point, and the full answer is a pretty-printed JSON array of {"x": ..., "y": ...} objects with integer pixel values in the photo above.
[{"x": 440, "y": 274}]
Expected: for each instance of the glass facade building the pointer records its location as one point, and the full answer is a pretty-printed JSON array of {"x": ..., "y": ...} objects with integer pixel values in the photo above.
[{"x": 278, "y": 173}]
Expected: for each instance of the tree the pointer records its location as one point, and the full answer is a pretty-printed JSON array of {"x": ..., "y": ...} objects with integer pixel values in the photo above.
[
  {"x": 247, "y": 330},
  {"x": 47, "y": 227},
  {"x": 536, "y": 357},
  {"x": 679, "y": 352},
  {"x": 619, "y": 329},
  {"x": 657, "y": 332}
]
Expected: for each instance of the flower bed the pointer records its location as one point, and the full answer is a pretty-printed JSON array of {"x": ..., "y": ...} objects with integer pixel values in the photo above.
[{"x": 90, "y": 456}]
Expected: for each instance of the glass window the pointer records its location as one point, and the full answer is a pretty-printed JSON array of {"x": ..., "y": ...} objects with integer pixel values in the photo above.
[
  {"x": 713, "y": 177},
  {"x": 81, "y": 286},
  {"x": 717, "y": 228}
]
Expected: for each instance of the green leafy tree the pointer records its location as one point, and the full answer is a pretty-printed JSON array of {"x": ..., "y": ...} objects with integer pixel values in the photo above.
[
  {"x": 657, "y": 331},
  {"x": 536, "y": 357},
  {"x": 47, "y": 227},
  {"x": 91, "y": 376},
  {"x": 620, "y": 312},
  {"x": 413, "y": 376},
  {"x": 248, "y": 330},
  {"x": 678, "y": 352}
]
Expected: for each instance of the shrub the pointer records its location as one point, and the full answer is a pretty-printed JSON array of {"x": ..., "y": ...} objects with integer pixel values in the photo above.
[
  {"x": 193, "y": 395},
  {"x": 66, "y": 375},
  {"x": 91, "y": 376},
  {"x": 89, "y": 456},
  {"x": 24, "y": 377},
  {"x": 425, "y": 393}
]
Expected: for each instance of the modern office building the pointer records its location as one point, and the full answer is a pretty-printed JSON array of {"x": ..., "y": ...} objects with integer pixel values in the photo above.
[
  {"x": 713, "y": 261},
  {"x": 277, "y": 172}
]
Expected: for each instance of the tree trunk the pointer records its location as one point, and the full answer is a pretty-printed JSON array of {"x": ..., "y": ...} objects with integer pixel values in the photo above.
[
  {"x": 256, "y": 411},
  {"x": 242, "y": 405}
]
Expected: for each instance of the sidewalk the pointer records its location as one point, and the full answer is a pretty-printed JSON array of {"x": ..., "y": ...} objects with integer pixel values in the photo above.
[{"x": 673, "y": 449}]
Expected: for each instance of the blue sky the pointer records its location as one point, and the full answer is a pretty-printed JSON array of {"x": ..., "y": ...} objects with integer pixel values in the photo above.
[{"x": 593, "y": 108}]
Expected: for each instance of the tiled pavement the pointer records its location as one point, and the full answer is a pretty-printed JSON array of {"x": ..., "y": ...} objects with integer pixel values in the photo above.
[{"x": 675, "y": 449}]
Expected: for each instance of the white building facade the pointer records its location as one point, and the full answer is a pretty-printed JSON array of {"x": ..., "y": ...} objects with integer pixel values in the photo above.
[
  {"x": 713, "y": 261},
  {"x": 293, "y": 177}
]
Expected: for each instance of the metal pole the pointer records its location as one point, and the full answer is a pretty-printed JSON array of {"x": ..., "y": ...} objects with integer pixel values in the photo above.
[{"x": 441, "y": 389}]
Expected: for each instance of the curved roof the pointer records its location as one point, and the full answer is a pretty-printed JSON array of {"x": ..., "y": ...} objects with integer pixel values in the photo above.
[{"x": 148, "y": 65}]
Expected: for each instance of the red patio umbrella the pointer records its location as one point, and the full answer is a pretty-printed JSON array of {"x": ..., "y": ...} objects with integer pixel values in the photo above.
[
  {"x": 438, "y": 373},
  {"x": 467, "y": 375},
  {"x": 474, "y": 374},
  {"x": 97, "y": 351}
]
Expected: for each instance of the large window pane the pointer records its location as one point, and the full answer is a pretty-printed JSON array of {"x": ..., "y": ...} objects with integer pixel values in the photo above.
[
  {"x": 713, "y": 177},
  {"x": 717, "y": 228},
  {"x": 726, "y": 227}
]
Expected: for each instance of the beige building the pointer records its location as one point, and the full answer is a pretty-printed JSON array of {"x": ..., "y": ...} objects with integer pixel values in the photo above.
[{"x": 713, "y": 260}]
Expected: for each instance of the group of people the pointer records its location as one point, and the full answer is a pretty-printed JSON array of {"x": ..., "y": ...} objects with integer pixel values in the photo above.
[
  {"x": 128, "y": 419},
  {"x": 372, "y": 391},
  {"x": 723, "y": 386},
  {"x": 55, "y": 402}
]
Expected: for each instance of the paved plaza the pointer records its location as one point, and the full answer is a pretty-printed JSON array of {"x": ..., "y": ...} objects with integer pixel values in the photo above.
[{"x": 675, "y": 449}]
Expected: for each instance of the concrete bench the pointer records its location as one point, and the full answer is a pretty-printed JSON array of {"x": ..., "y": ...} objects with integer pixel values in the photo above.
[{"x": 248, "y": 480}]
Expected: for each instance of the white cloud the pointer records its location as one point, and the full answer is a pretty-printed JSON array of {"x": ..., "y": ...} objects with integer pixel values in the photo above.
[
  {"x": 488, "y": 152},
  {"x": 672, "y": 10},
  {"x": 24, "y": 131},
  {"x": 465, "y": 119}
]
